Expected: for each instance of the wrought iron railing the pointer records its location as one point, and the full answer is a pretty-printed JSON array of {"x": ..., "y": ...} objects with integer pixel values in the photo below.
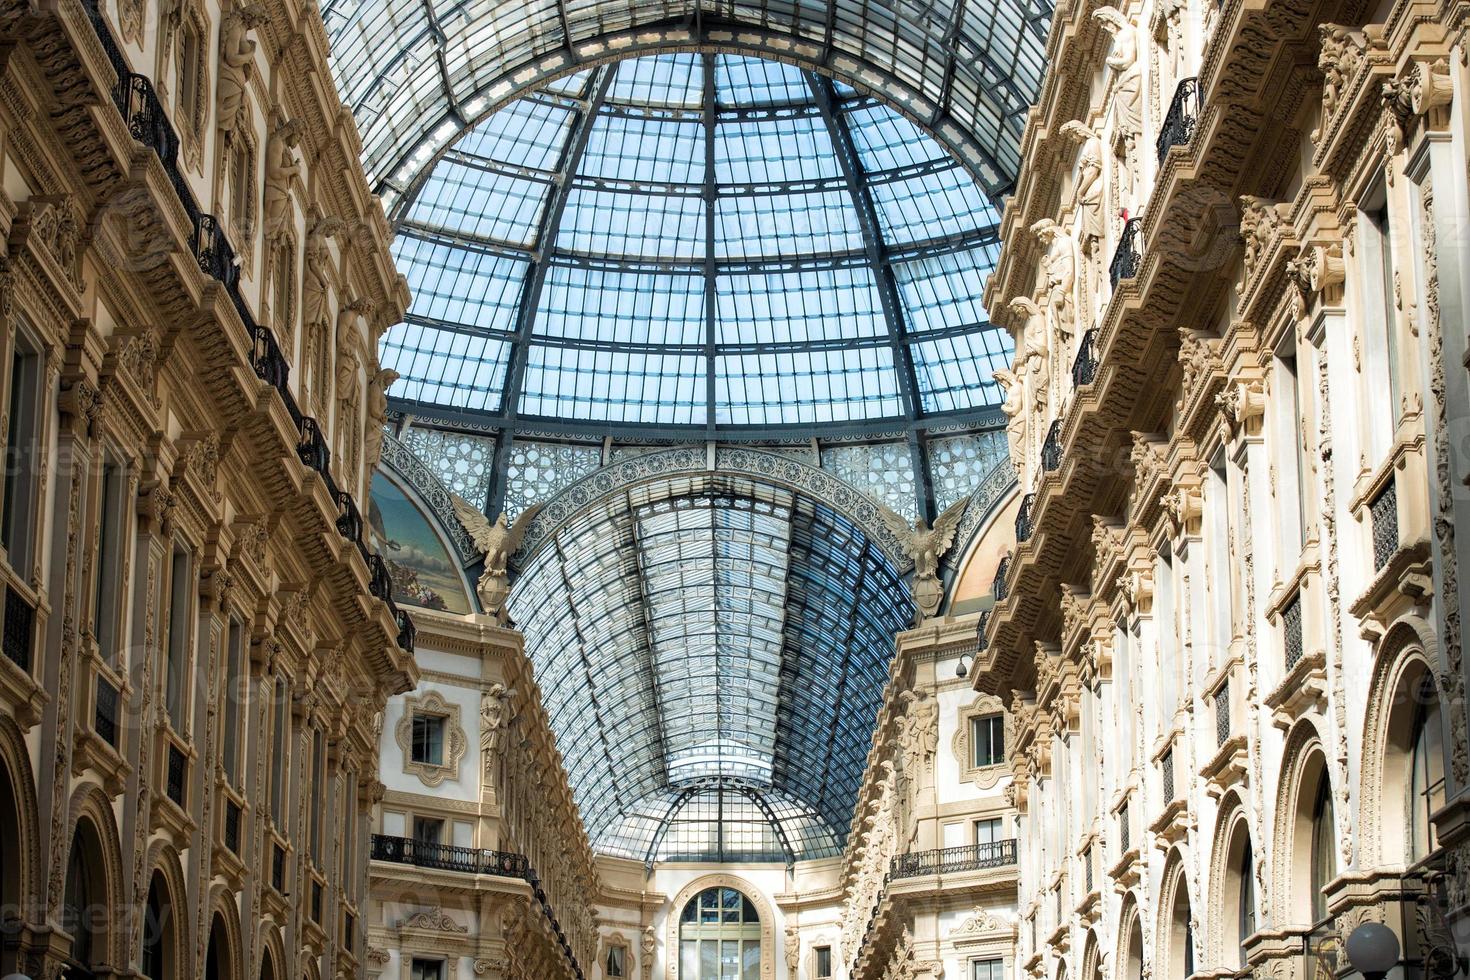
[
  {"x": 407, "y": 632},
  {"x": 104, "y": 715},
  {"x": 1126, "y": 257},
  {"x": 178, "y": 769},
  {"x": 312, "y": 449},
  {"x": 1051, "y": 448},
  {"x": 1125, "y": 830},
  {"x": 19, "y": 633},
  {"x": 1087, "y": 867},
  {"x": 998, "y": 587},
  {"x": 447, "y": 857},
  {"x": 980, "y": 641},
  {"x": 1166, "y": 773},
  {"x": 1179, "y": 122},
  {"x": 949, "y": 860},
  {"x": 1084, "y": 365},
  {"x": 1024, "y": 524},
  {"x": 1222, "y": 714},
  {"x": 1291, "y": 630},
  {"x": 1385, "y": 512}
]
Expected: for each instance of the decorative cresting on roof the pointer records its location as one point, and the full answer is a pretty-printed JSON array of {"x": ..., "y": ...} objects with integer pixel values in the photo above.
[
  {"x": 417, "y": 72},
  {"x": 731, "y": 460}
]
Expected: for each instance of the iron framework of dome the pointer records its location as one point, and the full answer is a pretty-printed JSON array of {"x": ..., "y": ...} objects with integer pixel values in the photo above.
[{"x": 700, "y": 246}]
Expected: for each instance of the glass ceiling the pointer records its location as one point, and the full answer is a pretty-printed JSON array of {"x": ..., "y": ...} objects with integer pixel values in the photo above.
[
  {"x": 712, "y": 655},
  {"x": 702, "y": 242}
]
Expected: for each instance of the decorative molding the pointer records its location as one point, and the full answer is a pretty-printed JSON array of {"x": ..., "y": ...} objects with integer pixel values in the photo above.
[
  {"x": 982, "y": 777},
  {"x": 455, "y": 742}
]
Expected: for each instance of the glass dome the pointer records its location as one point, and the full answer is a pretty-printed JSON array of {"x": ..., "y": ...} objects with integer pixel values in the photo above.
[{"x": 702, "y": 242}]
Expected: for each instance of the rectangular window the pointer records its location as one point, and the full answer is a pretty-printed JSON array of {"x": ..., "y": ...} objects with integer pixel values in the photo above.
[
  {"x": 317, "y": 788},
  {"x": 285, "y": 283},
  {"x": 21, "y": 451},
  {"x": 824, "y": 962},
  {"x": 1291, "y": 429},
  {"x": 108, "y": 587},
  {"x": 428, "y": 830},
  {"x": 987, "y": 969},
  {"x": 988, "y": 736},
  {"x": 189, "y": 55},
  {"x": 240, "y": 185},
  {"x": 1220, "y": 571},
  {"x": 987, "y": 831},
  {"x": 180, "y": 651},
  {"x": 1381, "y": 303},
  {"x": 427, "y": 969},
  {"x": 428, "y": 740},
  {"x": 1165, "y": 621},
  {"x": 279, "y": 734},
  {"x": 617, "y": 961},
  {"x": 234, "y": 693}
]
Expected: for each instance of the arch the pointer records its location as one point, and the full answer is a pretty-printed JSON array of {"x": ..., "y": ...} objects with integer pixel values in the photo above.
[
  {"x": 1233, "y": 902},
  {"x": 92, "y": 891},
  {"x": 224, "y": 944},
  {"x": 272, "y": 952},
  {"x": 693, "y": 888},
  {"x": 1305, "y": 815},
  {"x": 692, "y": 463},
  {"x": 165, "y": 924},
  {"x": 1091, "y": 956},
  {"x": 1176, "y": 920},
  {"x": 1403, "y": 702},
  {"x": 952, "y": 85},
  {"x": 20, "y": 840}
]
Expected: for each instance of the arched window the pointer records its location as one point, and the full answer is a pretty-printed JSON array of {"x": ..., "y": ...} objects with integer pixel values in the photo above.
[
  {"x": 1133, "y": 962},
  {"x": 719, "y": 937},
  {"x": 1425, "y": 785},
  {"x": 1324, "y": 848},
  {"x": 217, "y": 960},
  {"x": 78, "y": 915},
  {"x": 1245, "y": 894},
  {"x": 1181, "y": 934},
  {"x": 158, "y": 932}
]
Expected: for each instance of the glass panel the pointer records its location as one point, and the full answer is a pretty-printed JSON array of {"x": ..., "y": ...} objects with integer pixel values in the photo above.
[
  {"x": 689, "y": 958},
  {"x": 709, "y": 959},
  {"x": 751, "y": 959}
]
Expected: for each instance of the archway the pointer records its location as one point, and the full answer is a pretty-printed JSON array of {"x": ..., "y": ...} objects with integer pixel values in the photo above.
[
  {"x": 86, "y": 906},
  {"x": 1178, "y": 926},
  {"x": 1311, "y": 858},
  {"x": 220, "y": 960},
  {"x": 1131, "y": 960},
  {"x": 19, "y": 843},
  {"x": 1233, "y": 873},
  {"x": 750, "y": 931},
  {"x": 160, "y": 931}
]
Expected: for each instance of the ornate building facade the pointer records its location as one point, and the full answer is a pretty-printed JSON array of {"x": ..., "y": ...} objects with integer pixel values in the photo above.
[
  {"x": 1230, "y": 632},
  {"x": 196, "y": 636}
]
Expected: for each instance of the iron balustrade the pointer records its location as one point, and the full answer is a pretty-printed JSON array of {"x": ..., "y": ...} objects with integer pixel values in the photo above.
[
  {"x": 143, "y": 112},
  {"x": 349, "y": 522},
  {"x": 313, "y": 446},
  {"x": 1084, "y": 365},
  {"x": 1385, "y": 512},
  {"x": 18, "y": 636},
  {"x": 949, "y": 860},
  {"x": 1291, "y": 630},
  {"x": 1222, "y": 715},
  {"x": 380, "y": 583},
  {"x": 980, "y": 641},
  {"x": 104, "y": 715},
  {"x": 407, "y": 632},
  {"x": 1126, "y": 257},
  {"x": 178, "y": 769},
  {"x": 214, "y": 253},
  {"x": 1024, "y": 524},
  {"x": 999, "y": 586},
  {"x": 448, "y": 857},
  {"x": 1051, "y": 448},
  {"x": 1180, "y": 120}
]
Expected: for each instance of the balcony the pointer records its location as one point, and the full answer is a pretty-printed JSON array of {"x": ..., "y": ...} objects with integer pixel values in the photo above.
[
  {"x": 1291, "y": 630},
  {"x": 951, "y": 860},
  {"x": 1126, "y": 258},
  {"x": 1084, "y": 366},
  {"x": 1179, "y": 122},
  {"x": 1051, "y": 449},
  {"x": 104, "y": 715},
  {"x": 998, "y": 587},
  {"x": 407, "y": 632},
  {"x": 446, "y": 857},
  {"x": 1024, "y": 523},
  {"x": 177, "y": 771},
  {"x": 17, "y": 638}
]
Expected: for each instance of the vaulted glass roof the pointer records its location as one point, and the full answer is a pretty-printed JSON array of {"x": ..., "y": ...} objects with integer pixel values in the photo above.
[
  {"x": 697, "y": 242},
  {"x": 712, "y": 653}
]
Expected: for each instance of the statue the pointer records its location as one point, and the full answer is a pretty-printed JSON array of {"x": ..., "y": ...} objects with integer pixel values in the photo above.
[
  {"x": 347, "y": 341},
  {"x": 1033, "y": 353},
  {"x": 494, "y": 714},
  {"x": 497, "y": 542},
  {"x": 1123, "y": 59},
  {"x": 281, "y": 167},
  {"x": 793, "y": 953},
  {"x": 1087, "y": 200},
  {"x": 1015, "y": 411},
  {"x": 648, "y": 945},
  {"x": 236, "y": 63},
  {"x": 377, "y": 415},
  {"x": 926, "y": 545},
  {"x": 1059, "y": 269}
]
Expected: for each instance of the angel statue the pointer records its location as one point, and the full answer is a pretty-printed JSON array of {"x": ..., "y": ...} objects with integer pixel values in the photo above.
[
  {"x": 497, "y": 542},
  {"x": 926, "y": 545}
]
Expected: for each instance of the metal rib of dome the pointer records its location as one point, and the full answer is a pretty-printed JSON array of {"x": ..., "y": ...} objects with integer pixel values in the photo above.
[
  {"x": 417, "y": 72},
  {"x": 697, "y": 242}
]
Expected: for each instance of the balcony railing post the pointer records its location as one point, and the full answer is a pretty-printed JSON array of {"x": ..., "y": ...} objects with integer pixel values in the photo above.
[
  {"x": 1024, "y": 525},
  {"x": 1179, "y": 122},
  {"x": 1084, "y": 366},
  {"x": 1051, "y": 448}
]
